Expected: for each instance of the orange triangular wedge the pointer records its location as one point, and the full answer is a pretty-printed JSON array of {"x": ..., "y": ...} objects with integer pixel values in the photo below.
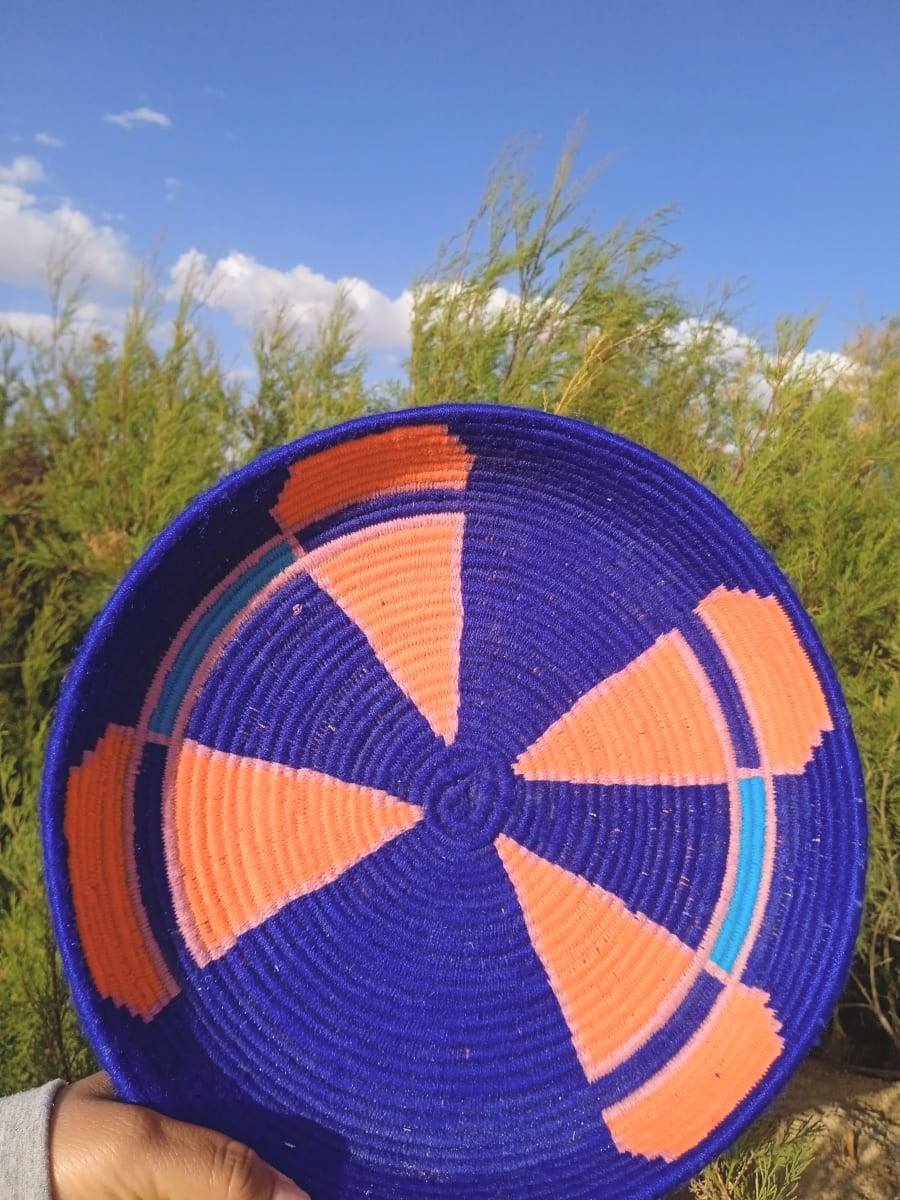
[
  {"x": 656, "y": 721},
  {"x": 399, "y": 581},
  {"x": 251, "y": 836},
  {"x": 612, "y": 970}
]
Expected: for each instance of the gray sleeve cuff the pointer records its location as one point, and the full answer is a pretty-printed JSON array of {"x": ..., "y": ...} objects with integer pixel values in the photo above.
[{"x": 24, "y": 1151}]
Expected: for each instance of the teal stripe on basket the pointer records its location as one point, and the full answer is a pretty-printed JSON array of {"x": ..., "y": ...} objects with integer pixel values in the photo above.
[
  {"x": 749, "y": 873},
  {"x": 208, "y": 628}
]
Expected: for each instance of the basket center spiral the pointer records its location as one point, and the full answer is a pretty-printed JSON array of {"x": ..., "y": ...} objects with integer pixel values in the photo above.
[{"x": 467, "y": 797}]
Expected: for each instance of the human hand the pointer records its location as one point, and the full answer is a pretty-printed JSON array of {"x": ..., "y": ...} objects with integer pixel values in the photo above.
[{"x": 102, "y": 1149}]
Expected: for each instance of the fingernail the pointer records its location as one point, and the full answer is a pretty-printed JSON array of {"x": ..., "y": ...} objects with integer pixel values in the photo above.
[{"x": 286, "y": 1190}]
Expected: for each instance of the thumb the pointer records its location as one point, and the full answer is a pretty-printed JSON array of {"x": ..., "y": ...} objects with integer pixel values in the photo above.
[
  {"x": 186, "y": 1162},
  {"x": 101, "y": 1149}
]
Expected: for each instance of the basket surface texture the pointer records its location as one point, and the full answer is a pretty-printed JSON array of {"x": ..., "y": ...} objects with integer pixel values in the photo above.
[{"x": 456, "y": 803}]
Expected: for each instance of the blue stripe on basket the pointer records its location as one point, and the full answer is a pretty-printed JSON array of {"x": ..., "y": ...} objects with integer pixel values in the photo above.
[
  {"x": 340, "y": 712},
  {"x": 720, "y": 675},
  {"x": 651, "y": 1058},
  {"x": 749, "y": 873},
  {"x": 208, "y": 628},
  {"x": 366, "y": 513}
]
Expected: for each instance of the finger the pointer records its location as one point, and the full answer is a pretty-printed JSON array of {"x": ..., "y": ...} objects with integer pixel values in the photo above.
[
  {"x": 112, "y": 1151},
  {"x": 204, "y": 1165}
]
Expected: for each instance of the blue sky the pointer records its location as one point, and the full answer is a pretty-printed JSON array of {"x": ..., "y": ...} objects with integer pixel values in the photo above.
[{"x": 294, "y": 145}]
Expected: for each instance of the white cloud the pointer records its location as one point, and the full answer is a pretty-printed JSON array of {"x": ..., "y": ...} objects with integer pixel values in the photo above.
[
  {"x": 27, "y": 325},
  {"x": 500, "y": 302},
  {"x": 736, "y": 349},
  {"x": 21, "y": 170},
  {"x": 244, "y": 376},
  {"x": 47, "y": 139},
  {"x": 32, "y": 237},
  {"x": 88, "y": 319},
  {"x": 172, "y": 186},
  {"x": 138, "y": 116},
  {"x": 729, "y": 343},
  {"x": 249, "y": 291},
  {"x": 827, "y": 366}
]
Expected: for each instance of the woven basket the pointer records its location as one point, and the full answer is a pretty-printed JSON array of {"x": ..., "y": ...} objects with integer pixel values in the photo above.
[{"x": 456, "y": 803}]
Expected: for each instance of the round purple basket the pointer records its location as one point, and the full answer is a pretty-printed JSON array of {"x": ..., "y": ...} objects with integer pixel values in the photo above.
[{"x": 456, "y": 803}]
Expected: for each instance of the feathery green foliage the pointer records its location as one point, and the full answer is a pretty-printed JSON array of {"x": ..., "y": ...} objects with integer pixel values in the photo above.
[
  {"x": 767, "y": 1163},
  {"x": 515, "y": 306},
  {"x": 305, "y": 384}
]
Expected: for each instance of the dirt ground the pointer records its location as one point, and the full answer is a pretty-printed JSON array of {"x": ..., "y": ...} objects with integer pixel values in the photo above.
[{"x": 858, "y": 1151}]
